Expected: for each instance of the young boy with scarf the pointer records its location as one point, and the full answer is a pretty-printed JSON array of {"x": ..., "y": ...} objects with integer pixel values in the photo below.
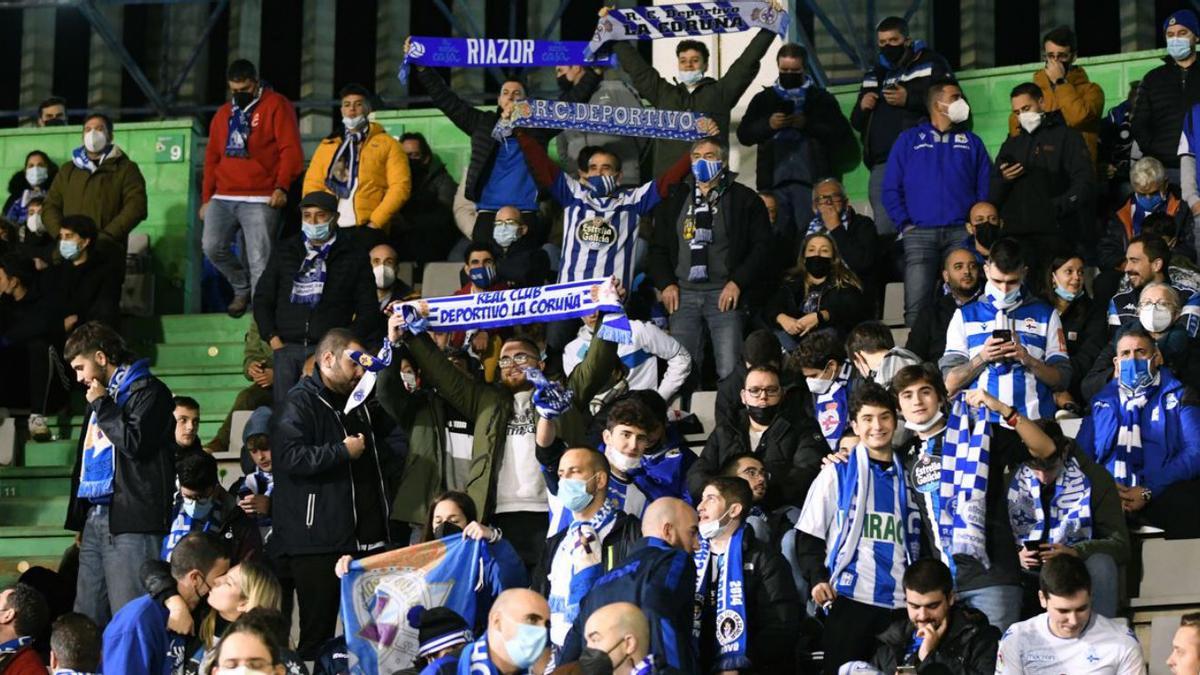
[
  {"x": 124, "y": 475},
  {"x": 858, "y": 533},
  {"x": 827, "y": 373},
  {"x": 747, "y": 613}
]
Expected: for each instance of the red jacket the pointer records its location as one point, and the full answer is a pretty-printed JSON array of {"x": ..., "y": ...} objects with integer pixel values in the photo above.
[
  {"x": 276, "y": 157},
  {"x": 24, "y": 662}
]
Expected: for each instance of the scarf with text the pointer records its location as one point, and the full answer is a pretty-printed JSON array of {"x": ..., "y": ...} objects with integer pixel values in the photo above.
[
  {"x": 1070, "y": 518},
  {"x": 98, "y": 461},
  {"x": 442, "y": 52},
  {"x": 731, "y": 615},
  {"x": 237, "y": 140},
  {"x": 342, "y": 176},
  {"x": 613, "y": 120},
  {"x": 309, "y": 283},
  {"x": 691, "y": 18},
  {"x": 854, "y": 476}
]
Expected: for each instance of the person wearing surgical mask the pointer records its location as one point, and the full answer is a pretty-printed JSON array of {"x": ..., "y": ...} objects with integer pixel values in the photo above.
[
  {"x": 102, "y": 183},
  {"x": 1164, "y": 106},
  {"x": 480, "y": 275},
  {"x": 821, "y": 357},
  {"x": 1043, "y": 181},
  {"x": 756, "y": 632},
  {"x": 202, "y": 505},
  {"x": 28, "y": 184},
  {"x": 1152, "y": 208},
  {"x": 516, "y": 638},
  {"x": 1083, "y": 327},
  {"x": 521, "y": 259},
  {"x": 935, "y": 173},
  {"x": 314, "y": 281},
  {"x": 362, "y": 165},
  {"x": 389, "y": 288}
]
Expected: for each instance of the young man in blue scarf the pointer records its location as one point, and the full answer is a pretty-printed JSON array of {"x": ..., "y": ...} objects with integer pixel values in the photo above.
[
  {"x": 124, "y": 476},
  {"x": 747, "y": 612}
]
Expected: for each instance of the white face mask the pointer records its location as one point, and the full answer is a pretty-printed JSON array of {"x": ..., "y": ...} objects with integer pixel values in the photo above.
[
  {"x": 1155, "y": 318},
  {"x": 385, "y": 276},
  {"x": 1029, "y": 120},
  {"x": 34, "y": 223},
  {"x": 620, "y": 461},
  {"x": 958, "y": 111},
  {"x": 353, "y": 122},
  {"x": 95, "y": 140},
  {"x": 922, "y": 428},
  {"x": 712, "y": 528},
  {"x": 36, "y": 175},
  {"x": 690, "y": 77},
  {"x": 818, "y": 385}
]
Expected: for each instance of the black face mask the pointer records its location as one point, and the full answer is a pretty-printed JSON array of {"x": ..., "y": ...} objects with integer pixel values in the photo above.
[
  {"x": 56, "y": 122},
  {"x": 764, "y": 415},
  {"x": 564, "y": 84},
  {"x": 242, "y": 99},
  {"x": 893, "y": 53},
  {"x": 987, "y": 234},
  {"x": 446, "y": 529},
  {"x": 817, "y": 266},
  {"x": 594, "y": 661},
  {"x": 791, "y": 80}
]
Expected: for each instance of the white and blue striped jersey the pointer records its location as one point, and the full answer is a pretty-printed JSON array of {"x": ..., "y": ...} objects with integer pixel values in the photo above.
[
  {"x": 1039, "y": 328},
  {"x": 622, "y": 495},
  {"x": 600, "y": 233},
  {"x": 875, "y": 572}
]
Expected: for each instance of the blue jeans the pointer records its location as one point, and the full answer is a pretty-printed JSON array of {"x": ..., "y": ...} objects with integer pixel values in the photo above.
[
  {"x": 698, "y": 312},
  {"x": 258, "y": 223},
  {"x": 1001, "y": 604},
  {"x": 109, "y": 567},
  {"x": 883, "y": 222},
  {"x": 1105, "y": 583},
  {"x": 795, "y": 209},
  {"x": 924, "y": 250}
]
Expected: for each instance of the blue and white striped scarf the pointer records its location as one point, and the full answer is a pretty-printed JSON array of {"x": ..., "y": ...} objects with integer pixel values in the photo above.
[
  {"x": 309, "y": 282},
  {"x": 731, "y": 624},
  {"x": 182, "y": 527},
  {"x": 816, "y": 225},
  {"x": 237, "y": 138},
  {"x": 260, "y": 483},
  {"x": 961, "y": 507},
  {"x": 1070, "y": 519},
  {"x": 19, "y": 211},
  {"x": 342, "y": 176},
  {"x": 1128, "y": 458},
  {"x": 797, "y": 96},
  {"x": 79, "y": 158},
  {"x": 98, "y": 461},
  {"x": 854, "y": 476},
  {"x": 576, "y": 565}
]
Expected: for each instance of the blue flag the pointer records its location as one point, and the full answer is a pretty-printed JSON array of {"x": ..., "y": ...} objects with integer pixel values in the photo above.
[
  {"x": 440, "y": 52},
  {"x": 383, "y": 597}
]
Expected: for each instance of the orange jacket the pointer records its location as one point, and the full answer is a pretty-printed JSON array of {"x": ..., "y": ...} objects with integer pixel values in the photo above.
[
  {"x": 1080, "y": 101},
  {"x": 384, "y": 181}
]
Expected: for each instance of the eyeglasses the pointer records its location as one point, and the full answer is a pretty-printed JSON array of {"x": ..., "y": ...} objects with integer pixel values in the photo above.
[
  {"x": 519, "y": 359},
  {"x": 1157, "y": 305},
  {"x": 759, "y": 392},
  {"x": 829, "y": 199},
  {"x": 755, "y": 473}
]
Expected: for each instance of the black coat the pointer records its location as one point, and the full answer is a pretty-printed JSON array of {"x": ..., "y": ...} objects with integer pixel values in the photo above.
[
  {"x": 1085, "y": 329},
  {"x": 747, "y": 223},
  {"x": 143, "y": 436},
  {"x": 1164, "y": 98},
  {"x": 316, "y": 506},
  {"x": 826, "y": 127},
  {"x": 790, "y": 451},
  {"x": 348, "y": 300},
  {"x": 622, "y": 538},
  {"x": 1058, "y": 180},
  {"x": 847, "y": 306},
  {"x": 968, "y": 648},
  {"x": 881, "y": 125},
  {"x": 91, "y": 291},
  {"x": 1116, "y": 236},
  {"x": 927, "y": 339}
]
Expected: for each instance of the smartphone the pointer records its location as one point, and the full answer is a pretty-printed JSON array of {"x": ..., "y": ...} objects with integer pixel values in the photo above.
[
  {"x": 1033, "y": 546},
  {"x": 1004, "y": 334}
]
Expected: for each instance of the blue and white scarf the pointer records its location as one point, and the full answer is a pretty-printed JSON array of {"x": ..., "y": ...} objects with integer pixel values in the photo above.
[
  {"x": 550, "y": 398},
  {"x": 576, "y": 565},
  {"x": 698, "y": 228},
  {"x": 342, "y": 176},
  {"x": 1128, "y": 459},
  {"x": 961, "y": 507},
  {"x": 13, "y": 646},
  {"x": 182, "y": 527},
  {"x": 1070, "y": 519},
  {"x": 833, "y": 407},
  {"x": 613, "y": 120},
  {"x": 237, "y": 138},
  {"x": 19, "y": 211},
  {"x": 691, "y": 18},
  {"x": 645, "y": 666},
  {"x": 68, "y": 671},
  {"x": 731, "y": 616},
  {"x": 98, "y": 462},
  {"x": 853, "y": 484},
  {"x": 309, "y": 283},
  {"x": 474, "y": 660},
  {"x": 797, "y": 96},
  {"x": 259, "y": 483},
  {"x": 816, "y": 225},
  {"x": 372, "y": 365},
  {"x": 512, "y": 307},
  {"x": 442, "y": 52},
  {"x": 80, "y": 158}
]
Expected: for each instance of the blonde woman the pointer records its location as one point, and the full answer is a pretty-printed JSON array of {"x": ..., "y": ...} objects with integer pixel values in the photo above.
[{"x": 820, "y": 291}]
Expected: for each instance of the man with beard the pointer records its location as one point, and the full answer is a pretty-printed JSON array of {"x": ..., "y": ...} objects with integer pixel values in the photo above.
[{"x": 960, "y": 278}]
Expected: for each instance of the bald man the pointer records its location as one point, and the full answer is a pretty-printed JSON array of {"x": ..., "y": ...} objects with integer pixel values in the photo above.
[
  {"x": 520, "y": 259},
  {"x": 659, "y": 577},
  {"x": 984, "y": 227},
  {"x": 516, "y": 640},
  {"x": 388, "y": 287},
  {"x": 620, "y": 633}
]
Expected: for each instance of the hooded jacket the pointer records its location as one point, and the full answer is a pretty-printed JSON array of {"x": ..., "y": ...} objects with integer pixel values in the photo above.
[
  {"x": 1080, "y": 101},
  {"x": 114, "y": 196},
  {"x": 143, "y": 436},
  {"x": 1164, "y": 98},
  {"x": 384, "y": 180},
  {"x": 881, "y": 125},
  {"x": 968, "y": 647},
  {"x": 1057, "y": 182}
]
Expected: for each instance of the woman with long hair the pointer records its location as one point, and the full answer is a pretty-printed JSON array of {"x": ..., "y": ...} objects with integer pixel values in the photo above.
[
  {"x": 820, "y": 291},
  {"x": 1083, "y": 322}
]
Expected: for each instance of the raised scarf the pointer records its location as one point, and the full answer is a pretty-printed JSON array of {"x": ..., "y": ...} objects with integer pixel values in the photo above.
[
  {"x": 731, "y": 617},
  {"x": 961, "y": 506},
  {"x": 1070, "y": 518}
]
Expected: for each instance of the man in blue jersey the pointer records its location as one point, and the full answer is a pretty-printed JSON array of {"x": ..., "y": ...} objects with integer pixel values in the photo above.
[
  {"x": 936, "y": 171},
  {"x": 1009, "y": 342},
  {"x": 856, "y": 534}
]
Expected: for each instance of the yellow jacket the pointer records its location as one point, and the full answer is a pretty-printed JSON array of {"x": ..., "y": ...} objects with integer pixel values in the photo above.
[
  {"x": 384, "y": 181},
  {"x": 1080, "y": 101}
]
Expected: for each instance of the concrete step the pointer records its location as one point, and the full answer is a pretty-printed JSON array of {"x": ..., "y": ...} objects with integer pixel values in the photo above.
[
  {"x": 214, "y": 402},
  {"x": 46, "y": 541},
  {"x": 12, "y": 567},
  {"x": 33, "y": 512},
  {"x": 183, "y": 328},
  {"x": 199, "y": 356},
  {"x": 34, "y": 481},
  {"x": 215, "y": 380}
]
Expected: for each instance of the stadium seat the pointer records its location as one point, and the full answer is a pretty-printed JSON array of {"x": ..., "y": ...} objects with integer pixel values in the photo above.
[
  {"x": 405, "y": 271},
  {"x": 1070, "y": 428},
  {"x": 893, "y": 305},
  {"x": 441, "y": 279},
  {"x": 704, "y": 407},
  {"x": 1162, "y": 585}
]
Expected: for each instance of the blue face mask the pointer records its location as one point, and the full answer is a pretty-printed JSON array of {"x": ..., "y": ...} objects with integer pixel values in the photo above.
[
  {"x": 1002, "y": 300},
  {"x": 1179, "y": 48},
  {"x": 1135, "y": 373},
  {"x": 482, "y": 277},
  {"x": 1150, "y": 202},
  {"x": 602, "y": 185},
  {"x": 527, "y": 645},
  {"x": 706, "y": 169},
  {"x": 315, "y": 231},
  {"x": 573, "y": 494},
  {"x": 197, "y": 509},
  {"x": 69, "y": 250},
  {"x": 1065, "y": 294}
]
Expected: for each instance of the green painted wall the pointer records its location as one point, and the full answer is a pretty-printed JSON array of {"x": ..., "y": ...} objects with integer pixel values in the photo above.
[{"x": 166, "y": 154}]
